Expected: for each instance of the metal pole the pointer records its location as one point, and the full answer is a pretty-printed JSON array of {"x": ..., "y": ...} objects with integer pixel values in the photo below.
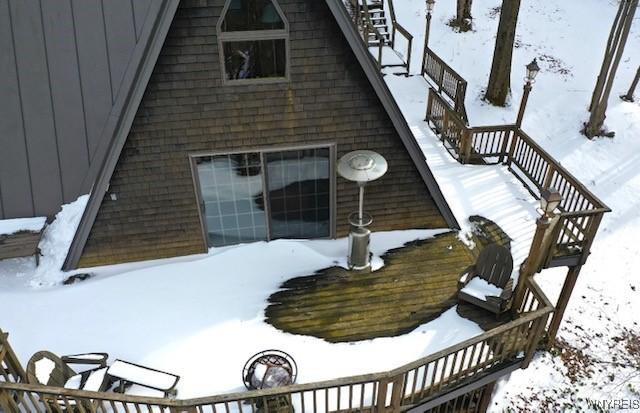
[
  {"x": 361, "y": 207},
  {"x": 523, "y": 103},
  {"x": 629, "y": 96},
  {"x": 426, "y": 40}
]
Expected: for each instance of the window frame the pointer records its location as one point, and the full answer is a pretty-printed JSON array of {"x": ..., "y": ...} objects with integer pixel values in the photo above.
[
  {"x": 253, "y": 35},
  {"x": 333, "y": 201}
]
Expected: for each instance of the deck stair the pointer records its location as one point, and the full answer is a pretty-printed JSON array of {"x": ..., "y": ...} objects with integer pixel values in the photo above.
[
  {"x": 379, "y": 28},
  {"x": 373, "y": 13}
]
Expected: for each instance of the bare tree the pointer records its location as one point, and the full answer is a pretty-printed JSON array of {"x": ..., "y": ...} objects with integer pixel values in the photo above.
[
  {"x": 463, "y": 15},
  {"x": 500, "y": 78},
  {"x": 629, "y": 96},
  {"x": 612, "y": 55}
]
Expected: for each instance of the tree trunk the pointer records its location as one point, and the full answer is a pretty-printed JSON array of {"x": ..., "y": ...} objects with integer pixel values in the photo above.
[
  {"x": 629, "y": 96},
  {"x": 463, "y": 15},
  {"x": 500, "y": 78},
  {"x": 613, "y": 54}
]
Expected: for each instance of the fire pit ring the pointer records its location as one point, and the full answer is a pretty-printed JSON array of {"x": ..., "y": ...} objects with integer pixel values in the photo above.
[{"x": 268, "y": 369}]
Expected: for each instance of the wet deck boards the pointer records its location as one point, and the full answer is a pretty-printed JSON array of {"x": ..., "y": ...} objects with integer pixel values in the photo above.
[{"x": 418, "y": 283}]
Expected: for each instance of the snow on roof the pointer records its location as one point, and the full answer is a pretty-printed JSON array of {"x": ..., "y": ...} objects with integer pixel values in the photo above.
[{"x": 11, "y": 226}]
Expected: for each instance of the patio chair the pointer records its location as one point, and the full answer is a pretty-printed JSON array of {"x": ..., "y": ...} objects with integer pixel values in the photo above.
[
  {"x": 488, "y": 283},
  {"x": 47, "y": 369}
]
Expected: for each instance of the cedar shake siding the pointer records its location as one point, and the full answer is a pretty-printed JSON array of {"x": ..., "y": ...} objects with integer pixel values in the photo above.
[{"x": 186, "y": 110}]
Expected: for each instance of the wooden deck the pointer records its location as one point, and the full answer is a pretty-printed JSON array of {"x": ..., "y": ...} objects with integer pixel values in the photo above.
[{"x": 418, "y": 283}]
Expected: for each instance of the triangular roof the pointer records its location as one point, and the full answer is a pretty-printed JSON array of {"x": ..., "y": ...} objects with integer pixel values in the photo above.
[{"x": 138, "y": 78}]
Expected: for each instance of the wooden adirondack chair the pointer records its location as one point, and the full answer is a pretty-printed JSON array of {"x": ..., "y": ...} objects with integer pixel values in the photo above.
[
  {"x": 45, "y": 368},
  {"x": 488, "y": 284}
]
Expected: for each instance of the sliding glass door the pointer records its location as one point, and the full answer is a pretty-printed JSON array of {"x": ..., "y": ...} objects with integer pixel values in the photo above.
[
  {"x": 299, "y": 193},
  {"x": 265, "y": 195}
]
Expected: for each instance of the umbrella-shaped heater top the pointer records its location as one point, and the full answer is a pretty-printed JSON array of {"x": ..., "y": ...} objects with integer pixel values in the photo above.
[{"x": 362, "y": 166}]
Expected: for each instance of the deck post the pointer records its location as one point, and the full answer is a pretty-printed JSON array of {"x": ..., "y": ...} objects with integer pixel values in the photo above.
[
  {"x": 396, "y": 393},
  {"x": 537, "y": 331},
  {"x": 563, "y": 300},
  {"x": 530, "y": 265},
  {"x": 381, "y": 399},
  {"x": 465, "y": 145},
  {"x": 485, "y": 399},
  {"x": 4, "y": 401}
]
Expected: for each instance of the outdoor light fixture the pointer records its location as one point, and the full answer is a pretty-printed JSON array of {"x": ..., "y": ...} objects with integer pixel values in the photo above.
[
  {"x": 430, "y": 5},
  {"x": 549, "y": 200},
  {"x": 532, "y": 71},
  {"x": 268, "y": 369},
  {"x": 427, "y": 29},
  {"x": 361, "y": 167}
]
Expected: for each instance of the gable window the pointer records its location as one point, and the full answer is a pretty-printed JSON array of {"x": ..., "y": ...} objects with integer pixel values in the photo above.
[{"x": 253, "y": 40}]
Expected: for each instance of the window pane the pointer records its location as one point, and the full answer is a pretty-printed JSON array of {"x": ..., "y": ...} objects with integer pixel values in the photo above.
[
  {"x": 231, "y": 188},
  {"x": 299, "y": 191},
  {"x": 244, "y": 15},
  {"x": 255, "y": 59}
]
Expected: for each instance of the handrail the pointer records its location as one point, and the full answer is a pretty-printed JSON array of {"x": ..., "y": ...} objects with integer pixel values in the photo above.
[
  {"x": 448, "y": 81},
  {"x": 491, "y": 353},
  {"x": 586, "y": 192},
  {"x": 408, "y": 36},
  {"x": 369, "y": 26}
]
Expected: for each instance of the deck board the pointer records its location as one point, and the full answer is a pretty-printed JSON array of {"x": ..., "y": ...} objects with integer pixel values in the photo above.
[{"x": 418, "y": 283}]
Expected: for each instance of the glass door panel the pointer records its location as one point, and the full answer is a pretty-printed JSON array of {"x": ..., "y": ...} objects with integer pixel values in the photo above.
[
  {"x": 299, "y": 188},
  {"x": 231, "y": 194}
]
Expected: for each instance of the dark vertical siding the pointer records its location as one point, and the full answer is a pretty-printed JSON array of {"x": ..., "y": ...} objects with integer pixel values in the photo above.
[
  {"x": 14, "y": 165},
  {"x": 37, "y": 111},
  {"x": 140, "y": 10},
  {"x": 96, "y": 81},
  {"x": 62, "y": 63},
  {"x": 14, "y": 162},
  {"x": 121, "y": 38},
  {"x": 66, "y": 95}
]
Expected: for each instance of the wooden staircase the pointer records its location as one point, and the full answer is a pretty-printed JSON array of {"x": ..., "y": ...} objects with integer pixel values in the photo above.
[{"x": 374, "y": 15}]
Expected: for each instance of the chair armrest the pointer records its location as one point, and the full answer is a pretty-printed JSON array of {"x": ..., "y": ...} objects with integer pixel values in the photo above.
[
  {"x": 87, "y": 358},
  {"x": 507, "y": 291},
  {"x": 466, "y": 276}
]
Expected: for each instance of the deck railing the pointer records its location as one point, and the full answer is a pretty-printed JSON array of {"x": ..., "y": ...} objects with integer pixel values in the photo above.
[
  {"x": 447, "y": 80},
  {"x": 581, "y": 210},
  {"x": 396, "y": 28},
  {"x": 396, "y": 390}
]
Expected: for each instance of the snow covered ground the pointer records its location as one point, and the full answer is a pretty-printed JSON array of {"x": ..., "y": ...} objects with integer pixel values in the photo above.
[{"x": 600, "y": 358}]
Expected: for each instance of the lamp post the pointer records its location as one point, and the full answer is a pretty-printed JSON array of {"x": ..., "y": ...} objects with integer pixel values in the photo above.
[
  {"x": 532, "y": 72},
  {"x": 549, "y": 200},
  {"x": 629, "y": 96},
  {"x": 430, "y": 5}
]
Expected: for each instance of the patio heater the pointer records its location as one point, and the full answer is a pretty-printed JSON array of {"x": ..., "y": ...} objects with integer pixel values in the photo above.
[{"x": 361, "y": 167}]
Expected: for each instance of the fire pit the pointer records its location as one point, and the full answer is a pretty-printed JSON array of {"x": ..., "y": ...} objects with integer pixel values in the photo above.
[{"x": 268, "y": 369}]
